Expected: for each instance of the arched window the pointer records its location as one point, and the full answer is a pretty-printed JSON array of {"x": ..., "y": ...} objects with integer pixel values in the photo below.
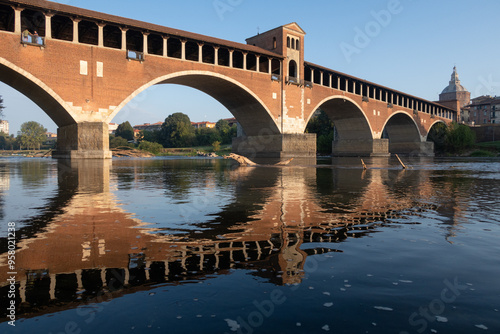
[
  {"x": 288, "y": 42},
  {"x": 297, "y": 45},
  {"x": 293, "y": 43},
  {"x": 275, "y": 44},
  {"x": 292, "y": 69}
]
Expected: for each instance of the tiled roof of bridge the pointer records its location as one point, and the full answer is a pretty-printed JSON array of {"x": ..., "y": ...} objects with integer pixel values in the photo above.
[
  {"x": 101, "y": 17},
  {"x": 372, "y": 83}
]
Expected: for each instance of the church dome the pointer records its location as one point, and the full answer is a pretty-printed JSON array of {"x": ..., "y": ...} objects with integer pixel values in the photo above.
[{"x": 454, "y": 85}]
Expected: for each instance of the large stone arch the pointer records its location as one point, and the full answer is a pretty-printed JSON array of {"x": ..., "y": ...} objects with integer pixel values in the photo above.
[
  {"x": 250, "y": 111},
  {"x": 405, "y": 136},
  {"x": 354, "y": 132},
  {"x": 349, "y": 118},
  {"x": 37, "y": 91},
  {"x": 401, "y": 127},
  {"x": 439, "y": 121}
]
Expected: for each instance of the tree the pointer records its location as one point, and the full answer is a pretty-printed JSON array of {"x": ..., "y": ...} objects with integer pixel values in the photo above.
[
  {"x": 459, "y": 137},
  {"x": 322, "y": 126},
  {"x": 1, "y": 107},
  {"x": 151, "y": 136},
  {"x": 154, "y": 148},
  {"x": 223, "y": 126},
  {"x": 118, "y": 142},
  {"x": 32, "y": 134},
  {"x": 125, "y": 130},
  {"x": 7, "y": 142},
  {"x": 226, "y": 132},
  {"x": 177, "y": 131},
  {"x": 206, "y": 136},
  {"x": 438, "y": 134},
  {"x": 216, "y": 146}
]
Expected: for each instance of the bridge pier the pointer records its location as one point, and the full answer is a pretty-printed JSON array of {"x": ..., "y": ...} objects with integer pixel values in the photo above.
[
  {"x": 85, "y": 140},
  {"x": 276, "y": 146},
  {"x": 361, "y": 147},
  {"x": 421, "y": 149}
]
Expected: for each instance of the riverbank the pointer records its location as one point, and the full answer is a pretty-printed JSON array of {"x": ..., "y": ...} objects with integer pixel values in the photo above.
[
  {"x": 480, "y": 150},
  {"x": 195, "y": 151},
  {"x": 27, "y": 154},
  {"x": 486, "y": 149}
]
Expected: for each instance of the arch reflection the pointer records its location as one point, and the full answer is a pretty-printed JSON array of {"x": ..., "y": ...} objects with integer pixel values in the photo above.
[{"x": 85, "y": 246}]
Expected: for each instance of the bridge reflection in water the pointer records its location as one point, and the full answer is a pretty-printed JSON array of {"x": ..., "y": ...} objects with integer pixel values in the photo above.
[{"x": 85, "y": 246}]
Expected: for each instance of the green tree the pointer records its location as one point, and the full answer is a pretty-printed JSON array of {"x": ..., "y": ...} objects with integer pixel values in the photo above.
[
  {"x": 118, "y": 142},
  {"x": 322, "y": 126},
  {"x": 206, "y": 136},
  {"x": 223, "y": 126},
  {"x": 150, "y": 136},
  {"x": 1, "y": 107},
  {"x": 125, "y": 130},
  {"x": 32, "y": 135},
  {"x": 154, "y": 148},
  {"x": 438, "y": 134},
  {"x": 459, "y": 138},
  {"x": 7, "y": 142},
  {"x": 226, "y": 132},
  {"x": 216, "y": 146},
  {"x": 177, "y": 131}
]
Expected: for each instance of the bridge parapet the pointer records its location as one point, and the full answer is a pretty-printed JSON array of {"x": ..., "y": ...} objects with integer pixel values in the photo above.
[
  {"x": 318, "y": 75},
  {"x": 43, "y": 20}
]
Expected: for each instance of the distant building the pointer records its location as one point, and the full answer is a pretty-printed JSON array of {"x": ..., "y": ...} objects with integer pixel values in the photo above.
[
  {"x": 456, "y": 96},
  {"x": 50, "y": 138},
  {"x": 199, "y": 125},
  {"x": 483, "y": 110},
  {"x": 231, "y": 121},
  {"x": 149, "y": 127},
  {"x": 112, "y": 128},
  {"x": 4, "y": 127}
]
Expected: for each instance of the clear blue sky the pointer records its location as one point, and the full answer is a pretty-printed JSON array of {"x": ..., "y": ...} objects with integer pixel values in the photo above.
[{"x": 414, "y": 50}]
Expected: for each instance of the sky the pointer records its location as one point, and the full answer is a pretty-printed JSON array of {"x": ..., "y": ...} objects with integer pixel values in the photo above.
[{"x": 407, "y": 45}]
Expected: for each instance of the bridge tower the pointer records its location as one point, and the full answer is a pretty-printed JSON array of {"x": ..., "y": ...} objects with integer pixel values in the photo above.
[{"x": 287, "y": 41}]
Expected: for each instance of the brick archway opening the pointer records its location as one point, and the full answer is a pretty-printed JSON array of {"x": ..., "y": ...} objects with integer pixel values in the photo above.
[
  {"x": 353, "y": 133},
  {"x": 404, "y": 136},
  {"x": 36, "y": 91},
  {"x": 401, "y": 128},
  {"x": 350, "y": 121},
  {"x": 250, "y": 112}
]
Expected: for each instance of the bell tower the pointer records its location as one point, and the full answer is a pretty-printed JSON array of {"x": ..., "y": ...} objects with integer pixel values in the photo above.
[{"x": 288, "y": 41}]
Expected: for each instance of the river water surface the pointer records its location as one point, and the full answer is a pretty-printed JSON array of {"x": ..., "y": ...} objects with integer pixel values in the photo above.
[{"x": 203, "y": 246}]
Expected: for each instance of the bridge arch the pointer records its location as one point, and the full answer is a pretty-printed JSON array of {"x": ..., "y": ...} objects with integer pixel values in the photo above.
[
  {"x": 401, "y": 128},
  {"x": 37, "y": 91},
  {"x": 439, "y": 121},
  {"x": 350, "y": 120},
  {"x": 249, "y": 110}
]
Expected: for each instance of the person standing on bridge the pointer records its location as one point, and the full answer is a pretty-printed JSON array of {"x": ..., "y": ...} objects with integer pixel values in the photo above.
[
  {"x": 36, "y": 38},
  {"x": 26, "y": 34}
]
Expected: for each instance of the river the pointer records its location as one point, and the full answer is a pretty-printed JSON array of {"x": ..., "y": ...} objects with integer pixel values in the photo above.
[{"x": 171, "y": 245}]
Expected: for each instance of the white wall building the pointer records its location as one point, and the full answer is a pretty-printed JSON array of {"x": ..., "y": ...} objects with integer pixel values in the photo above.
[{"x": 4, "y": 127}]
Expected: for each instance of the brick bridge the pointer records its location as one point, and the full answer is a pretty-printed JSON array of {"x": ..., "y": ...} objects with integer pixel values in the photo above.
[{"x": 83, "y": 67}]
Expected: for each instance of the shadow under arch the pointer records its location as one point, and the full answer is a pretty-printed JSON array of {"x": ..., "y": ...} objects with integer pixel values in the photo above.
[
  {"x": 433, "y": 125},
  {"x": 354, "y": 134},
  {"x": 37, "y": 91},
  {"x": 403, "y": 133},
  {"x": 350, "y": 120},
  {"x": 251, "y": 112},
  {"x": 401, "y": 127}
]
